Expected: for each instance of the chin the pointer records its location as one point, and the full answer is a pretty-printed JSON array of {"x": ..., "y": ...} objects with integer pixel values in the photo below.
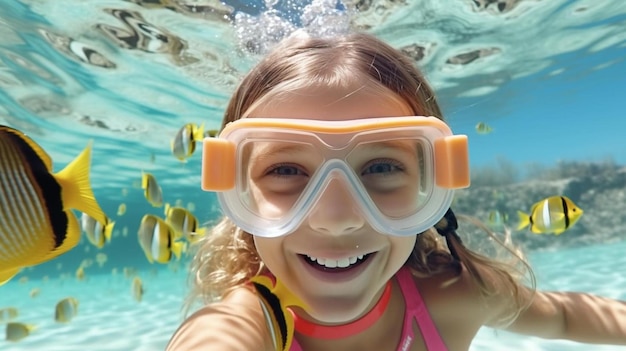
[{"x": 337, "y": 310}]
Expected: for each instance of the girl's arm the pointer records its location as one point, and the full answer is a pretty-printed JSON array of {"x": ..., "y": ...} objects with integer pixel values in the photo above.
[
  {"x": 574, "y": 316},
  {"x": 234, "y": 324}
]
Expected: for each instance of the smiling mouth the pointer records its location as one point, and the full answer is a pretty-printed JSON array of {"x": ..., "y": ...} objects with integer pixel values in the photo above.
[{"x": 335, "y": 266}]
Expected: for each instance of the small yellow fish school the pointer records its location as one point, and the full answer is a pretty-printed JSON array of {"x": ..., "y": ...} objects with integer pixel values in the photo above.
[
  {"x": 17, "y": 331},
  {"x": 42, "y": 199},
  {"x": 184, "y": 143},
  {"x": 152, "y": 190},
  {"x": 184, "y": 223},
  {"x": 554, "y": 214},
  {"x": 8, "y": 314},
  {"x": 65, "y": 310},
  {"x": 483, "y": 128},
  {"x": 136, "y": 289},
  {"x": 158, "y": 240},
  {"x": 97, "y": 233}
]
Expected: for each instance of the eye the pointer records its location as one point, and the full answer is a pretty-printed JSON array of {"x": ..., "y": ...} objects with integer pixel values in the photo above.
[
  {"x": 382, "y": 166},
  {"x": 285, "y": 170}
]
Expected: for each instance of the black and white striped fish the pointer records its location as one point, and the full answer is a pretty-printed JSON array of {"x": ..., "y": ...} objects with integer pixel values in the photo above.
[
  {"x": 36, "y": 221},
  {"x": 554, "y": 214}
]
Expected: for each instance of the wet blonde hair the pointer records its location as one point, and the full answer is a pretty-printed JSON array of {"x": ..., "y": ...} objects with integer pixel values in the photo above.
[{"x": 227, "y": 258}]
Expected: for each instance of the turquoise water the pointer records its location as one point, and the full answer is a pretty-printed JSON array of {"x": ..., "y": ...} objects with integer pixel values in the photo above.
[{"x": 546, "y": 75}]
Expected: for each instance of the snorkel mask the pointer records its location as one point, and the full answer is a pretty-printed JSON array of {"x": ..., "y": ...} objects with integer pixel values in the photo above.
[{"x": 400, "y": 172}]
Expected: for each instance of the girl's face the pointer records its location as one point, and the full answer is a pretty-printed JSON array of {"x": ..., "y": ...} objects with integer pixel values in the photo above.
[{"x": 335, "y": 234}]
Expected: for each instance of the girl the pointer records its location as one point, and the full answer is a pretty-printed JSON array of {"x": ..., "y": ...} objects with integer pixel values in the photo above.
[{"x": 336, "y": 193}]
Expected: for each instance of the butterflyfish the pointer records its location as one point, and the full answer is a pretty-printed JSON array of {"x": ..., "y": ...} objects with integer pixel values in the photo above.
[
  {"x": 152, "y": 190},
  {"x": 101, "y": 259},
  {"x": 483, "y": 128},
  {"x": 497, "y": 219},
  {"x": 184, "y": 143},
  {"x": 211, "y": 133},
  {"x": 65, "y": 310},
  {"x": 18, "y": 331},
  {"x": 36, "y": 221},
  {"x": 8, "y": 314},
  {"x": 34, "y": 292},
  {"x": 554, "y": 214},
  {"x": 80, "y": 273},
  {"x": 136, "y": 289},
  {"x": 97, "y": 233},
  {"x": 158, "y": 240},
  {"x": 184, "y": 223},
  {"x": 121, "y": 209},
  {"x": 275, "y": 301}
]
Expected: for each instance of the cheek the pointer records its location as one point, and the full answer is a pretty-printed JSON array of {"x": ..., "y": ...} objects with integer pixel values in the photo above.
[
  {"x": 401, "y": 248},
  {"x": 270, "y": 251}
]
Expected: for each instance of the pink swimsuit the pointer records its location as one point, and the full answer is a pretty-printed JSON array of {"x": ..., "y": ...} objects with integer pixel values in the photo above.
[{"x": 415, "y": 310}]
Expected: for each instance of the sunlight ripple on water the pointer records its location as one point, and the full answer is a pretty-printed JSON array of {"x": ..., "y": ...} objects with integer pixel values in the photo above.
[{"x": 130, "y": 73}]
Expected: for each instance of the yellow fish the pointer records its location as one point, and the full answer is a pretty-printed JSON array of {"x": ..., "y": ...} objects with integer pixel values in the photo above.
[
  {"x": 554, "y": 214},
  {"x": 275, "y": 302},
  {"x": 101, "y": 259},
  {"x": 36, "y": 221},
  {"x": 97, "y": 233},
  {"x": 65, "y": 310},
  {"x": 80, "y": 273},
  {"x": 184, "y": 143},
  {"x": 18, "y": 331},
  {"x": 211, "y": 133},
  {"x": 483, "y": 128},
  {"x": 152, "y": 190},
  {"x": 497, "y": 219},
  {"x": 157, "y": 239},
  {"x": 121, "y": 209},
  {"x": 8, "y": 314},
  {"x": 184, "y": 223},
  {"x": 137, "y": 289}
]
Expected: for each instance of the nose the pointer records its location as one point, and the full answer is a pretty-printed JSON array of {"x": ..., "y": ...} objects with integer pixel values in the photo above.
[{"x": 335, "y": 212}]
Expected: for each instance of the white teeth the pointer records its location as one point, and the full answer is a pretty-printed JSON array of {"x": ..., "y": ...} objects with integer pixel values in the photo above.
[{"x": 341, "y": 263}]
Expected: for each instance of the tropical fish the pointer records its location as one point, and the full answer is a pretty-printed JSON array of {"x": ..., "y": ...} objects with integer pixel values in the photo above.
[
  {"x": 136, "y": 289},
  {"x": 184, "y": 223},
  {"x": 483, "y": 128},
  {"x": 158, "y": 240},
  {"x": 36, "y": 221},
  {"x": 121, "y": 209},
  {"x": 65, "y": 310},
  {"x": 554, "y": 214},
  {"x": 211, "y": 133},
  {"x": 18, "y": 331},
  {"x": 184, "y": 143},
  {"x": 497, "y": 219},
  {"x": 97, "y": 233},
  {"x": 101, "y": 259},
  {"x": 8, "y": 314},
  {"x": 152, "y": 190},
  {"x": 275, "y": 302},
  {"x": 80, "y": 273},
  {"x": 34, "y": 292}
]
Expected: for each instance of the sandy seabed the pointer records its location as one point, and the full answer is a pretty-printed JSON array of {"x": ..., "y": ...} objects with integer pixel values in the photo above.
[{"x": 110, "y": 319}]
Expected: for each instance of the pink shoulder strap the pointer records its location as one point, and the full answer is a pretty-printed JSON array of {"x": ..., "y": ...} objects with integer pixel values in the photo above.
[{"x": 416, "y": 309}]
